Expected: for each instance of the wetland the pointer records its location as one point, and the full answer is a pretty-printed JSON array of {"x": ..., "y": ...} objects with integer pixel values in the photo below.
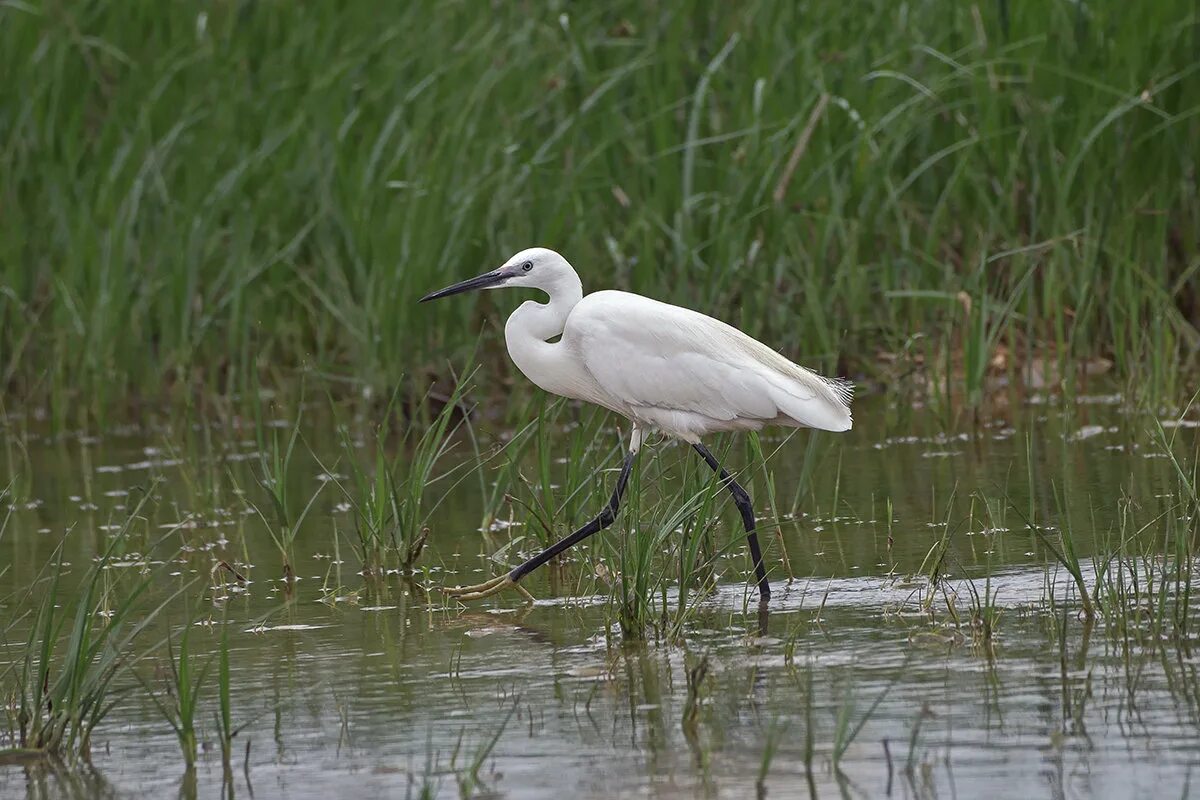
[{"x": 1003, "y": 607}]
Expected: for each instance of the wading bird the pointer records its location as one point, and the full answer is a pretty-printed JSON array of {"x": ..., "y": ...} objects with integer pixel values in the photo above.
[{"x": 662, "y": 367}]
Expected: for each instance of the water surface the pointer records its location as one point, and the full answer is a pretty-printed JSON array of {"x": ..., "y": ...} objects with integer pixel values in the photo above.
[{"x": 348, "y": 685}]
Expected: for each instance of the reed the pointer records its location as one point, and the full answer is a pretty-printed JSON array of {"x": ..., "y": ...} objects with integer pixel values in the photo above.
[{"x": 210, "y": 202}]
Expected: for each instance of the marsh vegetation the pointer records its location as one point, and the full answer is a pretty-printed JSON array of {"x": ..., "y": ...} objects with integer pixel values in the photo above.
[
  {"x": 202, "y": 202},
  {"x": 1026, "y": 583},
  {"x": 237, "y": 460}
]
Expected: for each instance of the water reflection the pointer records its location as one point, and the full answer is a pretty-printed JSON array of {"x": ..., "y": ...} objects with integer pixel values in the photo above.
[{"x": 858, "y": 680}]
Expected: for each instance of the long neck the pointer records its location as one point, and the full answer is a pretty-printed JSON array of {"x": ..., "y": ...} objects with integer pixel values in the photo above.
[
  {"x": 542, "y": 321},
  {"x": 546, "y": 363}
]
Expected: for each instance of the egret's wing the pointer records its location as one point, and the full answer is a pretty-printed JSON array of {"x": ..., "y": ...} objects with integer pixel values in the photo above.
[{"x": 650, "y": 354}]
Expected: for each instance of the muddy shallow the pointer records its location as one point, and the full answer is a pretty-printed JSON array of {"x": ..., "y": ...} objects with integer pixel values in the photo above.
[{"x": 353, "y": 687}]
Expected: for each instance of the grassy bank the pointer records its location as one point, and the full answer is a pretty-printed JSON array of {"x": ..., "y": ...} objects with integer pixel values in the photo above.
[{"x": 205, "y": 198}]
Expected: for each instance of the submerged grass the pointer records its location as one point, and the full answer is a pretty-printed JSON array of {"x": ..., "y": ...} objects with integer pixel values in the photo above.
[{"x": 208, "y": 200}]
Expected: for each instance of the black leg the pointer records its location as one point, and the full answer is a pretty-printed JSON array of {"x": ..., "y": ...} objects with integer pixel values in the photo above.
[
  {"x": 742, "y": 500},
  {"x": 602, "y": 521}
]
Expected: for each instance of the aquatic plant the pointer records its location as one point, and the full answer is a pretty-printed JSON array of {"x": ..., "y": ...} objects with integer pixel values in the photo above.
[
  {"x": 831, "y": 192},
  {"x": 549, "y": 473},
  {"x": 695, "y": 675},
  {"x": 467, "y": 775},
  {"x": 1063, "y": 548},
  {"x": 76, "y": 646},
  {"x": 776, "y": 731},
  {"x": 275, "y": 474},
  {"x": 388, "y": 498},
  {"x": 846, "y": 728},
  {"x": 641, "y": 554},
  {"x": 935, "y": 566},
  {"x": 226, "y": 730},
  {"x": 7, "y": 506},
  {"x": 183, "y": 687},
  {"x": 985, "y": 612},
  {"x": 696, "y": 551}
]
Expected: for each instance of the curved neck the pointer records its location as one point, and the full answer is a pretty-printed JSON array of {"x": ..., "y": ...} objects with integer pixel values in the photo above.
[
  {"x": 544, "y": 321},
  {"x": 543, "y": 362}
]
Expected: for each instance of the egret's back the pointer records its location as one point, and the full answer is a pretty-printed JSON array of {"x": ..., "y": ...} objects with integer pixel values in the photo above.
[{"x": 688, "y": 374}]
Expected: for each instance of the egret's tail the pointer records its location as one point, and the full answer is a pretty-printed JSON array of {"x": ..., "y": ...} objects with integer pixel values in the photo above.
[{"x": 817, "y": 402}]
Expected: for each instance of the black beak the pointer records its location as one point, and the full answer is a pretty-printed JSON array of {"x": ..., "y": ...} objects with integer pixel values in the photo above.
[{"x": 481, "y": 282}]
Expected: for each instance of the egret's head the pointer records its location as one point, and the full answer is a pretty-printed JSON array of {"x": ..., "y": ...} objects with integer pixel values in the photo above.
[{"x": 535, "y": 268}]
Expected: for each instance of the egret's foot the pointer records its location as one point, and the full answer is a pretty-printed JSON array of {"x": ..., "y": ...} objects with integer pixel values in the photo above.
[{"x": 487, "y": 589}]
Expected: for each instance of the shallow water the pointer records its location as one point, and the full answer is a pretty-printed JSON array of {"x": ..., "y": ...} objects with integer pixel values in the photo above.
[{"x": 355, "y": 687}]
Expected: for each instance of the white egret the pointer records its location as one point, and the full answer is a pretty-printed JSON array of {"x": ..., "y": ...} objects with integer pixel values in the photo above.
[{"x": 662, "y": 367}]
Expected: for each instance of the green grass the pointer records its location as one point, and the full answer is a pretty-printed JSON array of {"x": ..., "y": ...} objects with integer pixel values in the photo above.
[
  {"x": 204, "y": 200},
  {"x": 182, "y": 690},
  {"x": 226, "y": 730},
  {"x": 275, "y": 476},
  {"x": 389, "y": 498},
  {"x": 78, "y": 642}
]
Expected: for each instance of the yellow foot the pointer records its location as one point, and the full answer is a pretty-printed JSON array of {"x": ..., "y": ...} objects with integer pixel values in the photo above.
[{"x": 482, "y": 590}]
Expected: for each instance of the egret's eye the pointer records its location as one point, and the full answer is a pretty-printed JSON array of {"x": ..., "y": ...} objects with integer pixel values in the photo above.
[{"x": 528, "y": 265}]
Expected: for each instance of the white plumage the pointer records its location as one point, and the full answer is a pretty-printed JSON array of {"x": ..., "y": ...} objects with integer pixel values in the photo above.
[
  {"x": 663, "y": 367},
  {"x": 687, "y": 374}
]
